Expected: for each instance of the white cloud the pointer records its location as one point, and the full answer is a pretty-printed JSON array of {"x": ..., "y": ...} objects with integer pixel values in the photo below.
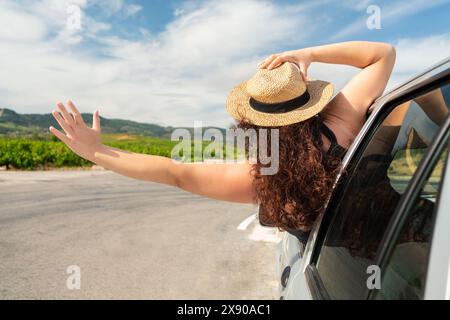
[
  {"x": 132, "y": 9},
  {"x": 357, "y": 5},
  {"x": 110, "y": 7},
  {"x": 113, "y": 7},
  {"x": 178, "y": 12},
  {"x": 180, "y": 75},
  {"x": 339, "y": 75},
  {"x": 175, "y": 77},
  {"x": 390, "y": 13},
  {"x": 53, "y": 15},
  {"x": 416, "y": 55},
  {"x": 20, "y": 26}
]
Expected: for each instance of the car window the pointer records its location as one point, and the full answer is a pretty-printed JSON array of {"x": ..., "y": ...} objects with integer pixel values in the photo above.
[
  {"x": 404, "y": 275},
  {"x": 373, "y": 190}
]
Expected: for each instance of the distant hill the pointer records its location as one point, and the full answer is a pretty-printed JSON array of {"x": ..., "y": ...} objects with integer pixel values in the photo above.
[{"x": 13, "y": 123}]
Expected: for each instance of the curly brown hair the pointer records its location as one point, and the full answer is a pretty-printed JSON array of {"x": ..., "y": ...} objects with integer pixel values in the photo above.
[{"x": 293, "y": 197}]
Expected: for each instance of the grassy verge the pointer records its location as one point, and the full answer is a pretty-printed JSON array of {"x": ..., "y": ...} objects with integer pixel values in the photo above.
[{"x": 44, "y": 152}]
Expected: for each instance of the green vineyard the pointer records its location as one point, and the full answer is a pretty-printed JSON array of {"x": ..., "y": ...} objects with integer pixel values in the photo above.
[{"x": 46, "y": 152}]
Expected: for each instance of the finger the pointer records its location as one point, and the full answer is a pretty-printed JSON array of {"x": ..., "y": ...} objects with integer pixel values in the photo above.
[
  {"x": 268, "y": 61},
  {"x": 67, "y": 129},
  {"x": 304, "y": 71},
  {"x": 96, "y": 121},
  {"x": 61, "y": 136},
  {"x": 78, "y": 118},
  {"x": 276, "y": 62},
  {"x": 263, "y": 63},
  {"x": 66, "y": 115}
]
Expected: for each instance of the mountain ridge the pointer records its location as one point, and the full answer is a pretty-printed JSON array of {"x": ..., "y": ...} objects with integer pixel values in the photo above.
[{"x": 14, "y": 123}]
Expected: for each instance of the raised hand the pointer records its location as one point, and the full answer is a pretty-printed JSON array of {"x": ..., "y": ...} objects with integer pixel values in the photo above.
[
  {"x": 80, "y": 138},
  {"x": 301, "y": 58}
]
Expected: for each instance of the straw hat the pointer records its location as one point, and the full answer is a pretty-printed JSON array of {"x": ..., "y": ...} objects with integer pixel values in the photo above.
[{"x": 278, "y": 97}]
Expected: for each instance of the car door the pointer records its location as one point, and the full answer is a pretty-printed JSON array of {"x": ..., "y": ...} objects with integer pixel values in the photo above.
[
  {"x": 405, "y": 250},
  {"x": 380, "y": 173}
]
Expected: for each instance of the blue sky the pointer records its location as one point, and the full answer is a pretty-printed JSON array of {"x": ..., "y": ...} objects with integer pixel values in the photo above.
[
  {"x": 428, "y": 18},
  {"x": 173, "y": 62}
]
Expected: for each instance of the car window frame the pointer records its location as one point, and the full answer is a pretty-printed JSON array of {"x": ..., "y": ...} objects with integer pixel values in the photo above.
[
  {"x": 434, "y": 73},
  {"x": 384, "y": 107},
  {"x": 419, "y": 179},
  {"x": 438, "y": 258}
]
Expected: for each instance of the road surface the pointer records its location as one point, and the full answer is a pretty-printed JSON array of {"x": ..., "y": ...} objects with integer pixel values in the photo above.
[{"x": 129, "y": 239}]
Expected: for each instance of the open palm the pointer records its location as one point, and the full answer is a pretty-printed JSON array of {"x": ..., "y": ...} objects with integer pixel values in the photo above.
[{"x": 79, "y": 137}]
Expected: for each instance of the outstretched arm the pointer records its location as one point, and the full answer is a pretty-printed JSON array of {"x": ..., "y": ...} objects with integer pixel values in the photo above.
[{"x": 228, "y": 182}]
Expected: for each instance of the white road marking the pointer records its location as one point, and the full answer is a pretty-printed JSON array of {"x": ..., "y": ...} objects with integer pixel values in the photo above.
[
  {"x": 259, "y": 233},
  {"x": 265, "y": 234},
  {"x": 244, "y": 224}
]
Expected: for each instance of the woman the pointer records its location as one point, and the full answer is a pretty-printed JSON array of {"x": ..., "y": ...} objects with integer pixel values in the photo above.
[{"x": 314, "y": 132}]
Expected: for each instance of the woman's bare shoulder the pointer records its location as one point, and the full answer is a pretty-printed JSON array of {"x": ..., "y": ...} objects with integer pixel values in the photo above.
[{"x": 341, "y": 118}]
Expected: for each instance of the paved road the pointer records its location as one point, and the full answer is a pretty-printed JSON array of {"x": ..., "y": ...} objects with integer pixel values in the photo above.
[{"x": 130, "y": 239}]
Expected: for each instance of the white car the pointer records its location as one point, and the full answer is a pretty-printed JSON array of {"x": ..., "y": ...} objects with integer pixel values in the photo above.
[{"x": 385, "y": 231}]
